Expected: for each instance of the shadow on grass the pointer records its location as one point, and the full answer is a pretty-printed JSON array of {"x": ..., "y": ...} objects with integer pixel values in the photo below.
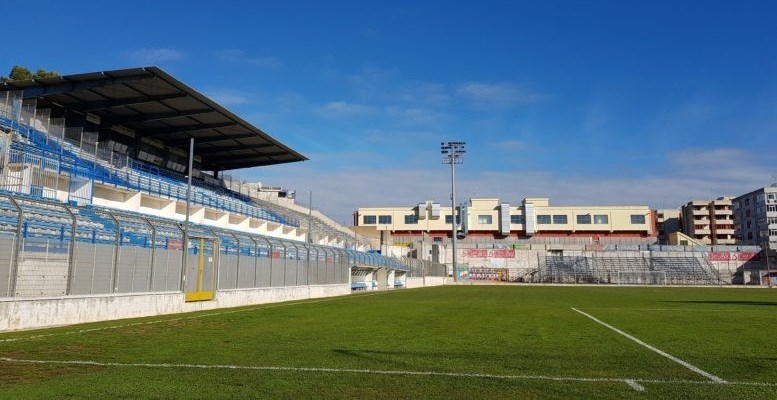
[
  {"x": 409, "y": 359},
  {"x": 731, "y": 302}
]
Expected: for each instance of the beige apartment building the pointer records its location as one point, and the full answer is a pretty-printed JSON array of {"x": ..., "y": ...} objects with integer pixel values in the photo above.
[
  {"x": 668, "y": 221},
  {"x": 709, "y": 222},
  {"x": 488, "y": 217}
]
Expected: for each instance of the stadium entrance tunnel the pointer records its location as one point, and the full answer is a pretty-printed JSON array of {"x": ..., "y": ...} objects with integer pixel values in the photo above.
[{"x": 377, "y": 278}]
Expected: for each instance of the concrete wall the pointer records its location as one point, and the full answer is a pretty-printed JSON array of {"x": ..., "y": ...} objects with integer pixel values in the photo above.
[
  {"x": 18, "y": 314},
  {"x": 430, "y": 281}
]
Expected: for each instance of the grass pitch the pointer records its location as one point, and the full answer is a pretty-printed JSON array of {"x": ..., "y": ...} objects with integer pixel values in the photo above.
[{"x": 447, "y": 342}]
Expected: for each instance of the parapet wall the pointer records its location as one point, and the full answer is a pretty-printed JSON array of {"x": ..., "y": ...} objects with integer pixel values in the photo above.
[
  {"x": 19, "y": 313},
  {"x": 732, "y": 267}
]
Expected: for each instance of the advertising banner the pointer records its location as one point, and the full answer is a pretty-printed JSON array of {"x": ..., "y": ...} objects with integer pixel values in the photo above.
[{"x": 486, "y": 253}]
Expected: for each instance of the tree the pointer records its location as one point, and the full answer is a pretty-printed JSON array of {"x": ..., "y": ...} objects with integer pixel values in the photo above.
[
  {"x": 19, "y": 73},
  {"x": 42, "y": 73}
]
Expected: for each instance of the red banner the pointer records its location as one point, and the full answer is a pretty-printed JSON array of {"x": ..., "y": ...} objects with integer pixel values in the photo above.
[
  {"x": 474, "y": 253},
  {"x": 728, "y": 256},
  {"x": 746, "y": 256},
  {"x": 174, "y": 244},
  {"x": 276, "y": 254},
  {"x": 720, "y": 256},
  {"x": 501, "y": 253},
  {"x": 485, "y": 253}
]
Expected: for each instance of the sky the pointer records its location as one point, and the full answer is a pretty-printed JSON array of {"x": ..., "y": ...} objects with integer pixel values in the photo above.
[{"x": 602, "y": 103}]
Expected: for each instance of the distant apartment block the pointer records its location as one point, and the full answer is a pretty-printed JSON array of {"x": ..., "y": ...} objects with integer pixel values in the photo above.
[
  {"x": 667, "y": 222},
  {"x": 489, "y": 217},
  {"x": 709, "y": 222},
  {"x": 756, "y": 217}
]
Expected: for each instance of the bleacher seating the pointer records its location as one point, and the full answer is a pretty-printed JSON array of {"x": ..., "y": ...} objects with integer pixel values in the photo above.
[
  {"x": 625, "y": 269},
  {"x": 135, "y": 175}
]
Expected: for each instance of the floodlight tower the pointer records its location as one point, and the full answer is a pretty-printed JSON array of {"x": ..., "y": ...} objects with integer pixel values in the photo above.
[{"x": 453, "y": 153}]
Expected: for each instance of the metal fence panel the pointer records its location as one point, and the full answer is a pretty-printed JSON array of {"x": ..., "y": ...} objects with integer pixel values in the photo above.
[
  {"x": 248, "y": 272},
  {"x": 6, "y": 265},
  {"x": 124, "y": 269},
  {"x": 167, "y": 270},
  {"x": 83, "y": 270},
  {"x": 102, "y": 280},
  {"x": 228, "y": 272},
  {"x": 191, "y": 268},
  {"x": 141, "y": 276},
  {"x": 43, "y": 268},
  {"x": 264, "y": 271}
]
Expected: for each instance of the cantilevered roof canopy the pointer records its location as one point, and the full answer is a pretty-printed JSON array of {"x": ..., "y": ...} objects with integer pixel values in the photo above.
[{"x": 155, "y": 105}]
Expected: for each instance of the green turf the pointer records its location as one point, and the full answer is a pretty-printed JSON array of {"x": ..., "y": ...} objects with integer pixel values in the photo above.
[{"x": 499, "y": 330}]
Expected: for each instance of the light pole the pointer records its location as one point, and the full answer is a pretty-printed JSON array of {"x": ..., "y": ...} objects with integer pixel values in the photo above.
[
  {"x": 310, "y": 214},
  {"x": 768, "y": 270},
  {"x": 453, "y": 153}
]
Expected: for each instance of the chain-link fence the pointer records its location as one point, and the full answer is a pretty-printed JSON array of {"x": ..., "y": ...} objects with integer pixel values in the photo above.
[
  {"x": 420, "y": 268},
  {"x": 53, "y": 249}
]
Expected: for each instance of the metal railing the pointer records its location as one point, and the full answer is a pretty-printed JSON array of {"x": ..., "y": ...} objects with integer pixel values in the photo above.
[{"x": 53, "y": 249}]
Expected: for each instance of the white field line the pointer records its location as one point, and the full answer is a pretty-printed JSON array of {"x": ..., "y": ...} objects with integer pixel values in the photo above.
[
  {"x": 737, "y": 310},
  {"x": 634, "y": 383},
  {"x": 232, "y": 311},
  {"x": 656, "y": 350}
]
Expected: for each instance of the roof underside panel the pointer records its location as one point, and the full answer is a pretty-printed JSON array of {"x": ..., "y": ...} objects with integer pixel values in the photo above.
[{"x": 158, "y": 106}]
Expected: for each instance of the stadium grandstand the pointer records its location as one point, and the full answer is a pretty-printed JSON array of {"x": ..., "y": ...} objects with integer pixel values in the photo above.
[
  {"x": 94, "y": 197},
  {"x": 542, "y": 243}
]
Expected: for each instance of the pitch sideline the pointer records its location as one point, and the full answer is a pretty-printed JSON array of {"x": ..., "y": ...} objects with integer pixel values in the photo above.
[
  {"x": 656, "y": 350},
  {"x": 210, "y": 314},
  {"x": 633, "y": 383}
]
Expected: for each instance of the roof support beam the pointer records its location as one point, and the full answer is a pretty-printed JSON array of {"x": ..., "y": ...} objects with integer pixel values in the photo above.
[
  {"x": 131, "y": 101},
  {"x": 160, "y": 116},
  {"x": 210, "y": 139},
  {"x": 65, "y": 85},
  {"x": 226, "y": 149},
  {"x": 226, "y": 166},
  {"x": 238, "y": 157},
  {"x": 187, "y": 128}
]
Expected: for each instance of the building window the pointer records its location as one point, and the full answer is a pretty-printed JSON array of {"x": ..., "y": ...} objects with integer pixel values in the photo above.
[
  {"x": 560, "y": 219},
  {"x": 484, "y": 219},
  {"x": 584, "y": 219},
  {"x": 384, "y": 219},
  {"x": 369, "y": 220},
  {"x": 411, "y": 219},
  {"x": 771, "y": 208},
  {"x": 543, "y": 219},
  {"x": 517, "y": 219},
  {"x": 449, "y": 219},
  {"x": 749, "y": 235},
  {"x": 601, "y": 219},
  {"x": 637, "y": 219}
]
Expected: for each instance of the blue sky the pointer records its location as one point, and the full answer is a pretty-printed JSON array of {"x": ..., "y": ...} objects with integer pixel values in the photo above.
[{"x": 585, "y": 102}]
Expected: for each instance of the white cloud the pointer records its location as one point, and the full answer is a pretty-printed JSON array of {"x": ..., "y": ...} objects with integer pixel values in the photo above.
[
  {"x": 228, "y": 97},
  {"x": 498, "y": 94},
  {"x": 153, "y": 56},
  {"x": 241, "y": 57},
  {"x": 340, "y": 191},
  {"x": 413, "y": 116},
  {"x": 372, "y": 82},
  {"x": 511, "y": 145},
  {"x": 343, "y": 109}
]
